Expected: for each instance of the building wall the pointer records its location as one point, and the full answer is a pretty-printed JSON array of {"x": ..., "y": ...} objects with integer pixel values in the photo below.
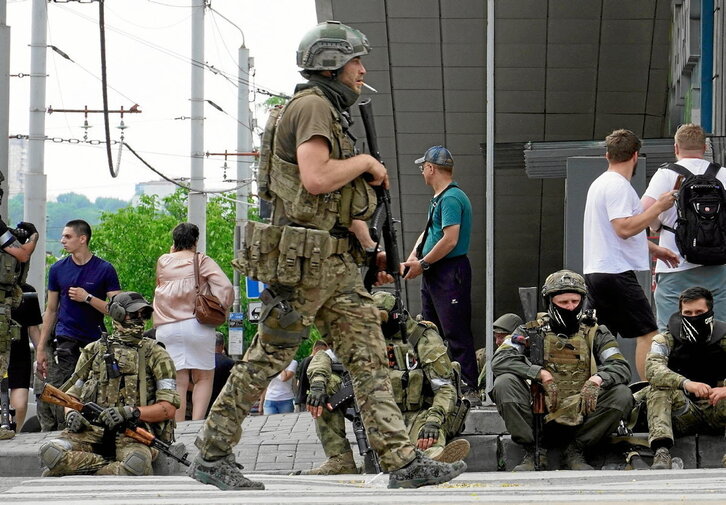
[{"x": 564, "y": 70}]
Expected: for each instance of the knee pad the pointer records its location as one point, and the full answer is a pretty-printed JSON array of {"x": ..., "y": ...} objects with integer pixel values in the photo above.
[
  {"x": 136, "y": 463},
  {"x": 52, "y": 452}
]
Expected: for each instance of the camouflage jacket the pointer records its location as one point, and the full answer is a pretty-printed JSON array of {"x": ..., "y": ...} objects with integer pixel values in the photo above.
[
  {"x": 513, "y": 357},
  {"x": 435, "y": 392},
  {"x": 657, "y": 370}
]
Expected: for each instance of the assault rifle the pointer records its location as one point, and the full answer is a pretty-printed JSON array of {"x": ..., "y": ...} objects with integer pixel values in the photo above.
[
  {"x": 382, "y": 224},
  {"x": 6, "y": 413},
  {"x": 341, "y": 400},
  {"x": 90, "y": 411},
  {"x": 535, "y": 343}
]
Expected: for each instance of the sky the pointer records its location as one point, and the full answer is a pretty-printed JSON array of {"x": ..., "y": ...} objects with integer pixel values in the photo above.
[{"x": 148, "y": 63}]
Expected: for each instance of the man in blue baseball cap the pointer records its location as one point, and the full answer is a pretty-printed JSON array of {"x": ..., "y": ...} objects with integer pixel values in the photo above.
[{"x": 440, "y": 254}]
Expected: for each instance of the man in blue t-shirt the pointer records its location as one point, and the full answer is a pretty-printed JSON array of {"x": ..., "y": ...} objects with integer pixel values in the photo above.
[
  {"x": 440, "y": 254},
  {"x": 78, "y": 286}
]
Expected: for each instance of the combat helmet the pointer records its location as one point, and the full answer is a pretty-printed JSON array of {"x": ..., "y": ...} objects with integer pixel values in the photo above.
[
  {"x": 563, "y": 281},
  {"x": 129, "y": 302},
  {"x": 329, "y": 46},
  {"x": 386, "y": 303}
]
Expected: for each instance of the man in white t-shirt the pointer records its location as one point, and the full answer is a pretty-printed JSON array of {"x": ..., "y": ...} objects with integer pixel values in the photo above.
[
  {"x": 615, "y": 246},
  {"x": 279, "y": 396},
  {"x": 690, "y": 147}
]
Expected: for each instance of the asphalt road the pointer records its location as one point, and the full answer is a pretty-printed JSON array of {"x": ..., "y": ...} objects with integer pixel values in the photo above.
[{"x": 664, "y": 487}]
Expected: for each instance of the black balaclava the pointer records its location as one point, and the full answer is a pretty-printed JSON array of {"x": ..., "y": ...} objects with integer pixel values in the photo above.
[
  {"x": 340, "y": 95},
  {"x": 563, "y": 320},
  {"x": 697, "y": 329}
]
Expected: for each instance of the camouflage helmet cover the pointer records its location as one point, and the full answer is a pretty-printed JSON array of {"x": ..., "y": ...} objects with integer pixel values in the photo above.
[
  {"x": 563, "y": 281},
  {"x": 329, "y": 46}
]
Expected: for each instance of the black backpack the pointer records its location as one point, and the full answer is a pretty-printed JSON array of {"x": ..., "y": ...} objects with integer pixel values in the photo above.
[{"x": 700, "y": 228}]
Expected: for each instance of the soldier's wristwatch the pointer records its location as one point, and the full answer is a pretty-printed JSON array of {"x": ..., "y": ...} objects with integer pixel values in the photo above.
[
  {"x": 425, "y": 265},
  {"x": 136, "y": 414}
]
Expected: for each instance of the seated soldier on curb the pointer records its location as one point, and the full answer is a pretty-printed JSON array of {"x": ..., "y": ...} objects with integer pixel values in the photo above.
[
  {"x": 501, "y": 328},
  {"x": 686, "y": 368},
  {"x": 133, "y": 379},
  {"x": 424, "y": 388},
  {"x": 583, "y": 374}
]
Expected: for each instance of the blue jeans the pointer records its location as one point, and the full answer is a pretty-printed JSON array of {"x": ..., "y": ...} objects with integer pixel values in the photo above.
[{"x": 278, "y": 407}]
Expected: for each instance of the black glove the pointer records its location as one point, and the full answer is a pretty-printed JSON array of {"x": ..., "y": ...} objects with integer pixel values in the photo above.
[
  {"x": 430, "y": 430},
  {"x": 113, "y": 417},
  {"x": 316, "y": 395},
  {"x": 75, "y": 422},
  {"x": 29, "y": 227}
]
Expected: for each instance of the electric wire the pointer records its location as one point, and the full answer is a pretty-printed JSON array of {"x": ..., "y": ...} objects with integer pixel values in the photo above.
[{"x": 104, "y": 89}]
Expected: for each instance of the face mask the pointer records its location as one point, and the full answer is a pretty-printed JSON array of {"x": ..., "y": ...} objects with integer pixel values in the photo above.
[
  {"x": 563, "y": 320},
  {"x": 697, "y": 329}
]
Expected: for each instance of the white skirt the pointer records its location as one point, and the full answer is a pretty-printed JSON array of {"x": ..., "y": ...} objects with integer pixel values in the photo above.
[{"x": 190, "y": 344}]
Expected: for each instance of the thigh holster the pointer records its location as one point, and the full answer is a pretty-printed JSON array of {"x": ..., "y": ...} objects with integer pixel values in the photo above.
[{"x": 280, "y": 324}]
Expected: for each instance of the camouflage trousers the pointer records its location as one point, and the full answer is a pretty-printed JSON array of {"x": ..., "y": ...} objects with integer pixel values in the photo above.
[
  {"x": 4, "y": 360},
  {"x": 673, "y": 413},
  {"x": 83, "y": 456},
  {"x": 341, "y": 308},
  {"x": 330, "y": 427},
  {"x": 514, "y": 403}
]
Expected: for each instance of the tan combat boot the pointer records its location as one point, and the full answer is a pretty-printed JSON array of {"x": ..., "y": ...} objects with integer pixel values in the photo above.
[
  {"x": 6, "y": 434},
  {"x": 575, "y": 458},
  {"x": 661, "y": 460},
  {"x": 454, "y": 451},
  {"x": 527, "y": 464},
  {"x": 336, "y": 465}
]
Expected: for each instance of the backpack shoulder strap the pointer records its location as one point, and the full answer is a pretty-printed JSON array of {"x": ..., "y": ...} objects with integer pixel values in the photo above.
[
  {"x": 712, "y": 170},
  {"x": 680, "y": 169}
]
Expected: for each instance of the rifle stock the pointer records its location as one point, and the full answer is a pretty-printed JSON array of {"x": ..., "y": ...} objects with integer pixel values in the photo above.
[
  {"x": 90, "y": 411},
  {"x": 382, "y": 224}
]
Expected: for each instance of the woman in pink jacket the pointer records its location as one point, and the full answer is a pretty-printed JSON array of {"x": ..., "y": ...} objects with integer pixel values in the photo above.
[{"x": 190, "y": 344}]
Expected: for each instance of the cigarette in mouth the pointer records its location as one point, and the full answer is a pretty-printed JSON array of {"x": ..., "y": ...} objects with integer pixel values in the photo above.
[{"x": 370, "y": 87}]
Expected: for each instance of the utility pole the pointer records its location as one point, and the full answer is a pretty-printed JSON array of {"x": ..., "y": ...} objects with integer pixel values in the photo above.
[
  {"x": 244, "y": 172},
  {"x": 34, "y": 206},
  {"x": 197, "y": 212},
  {"x": 4, "y": 105}
]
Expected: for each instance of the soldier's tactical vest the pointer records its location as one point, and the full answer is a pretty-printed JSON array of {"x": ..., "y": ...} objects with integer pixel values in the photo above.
[
  {"x": 280, "y": 179},
  {"x": 569, "y": 360},
  {"x": 134, "y": 386},
  {"x": 12, "y": 274},
  {"x": 701, "y": 362}
]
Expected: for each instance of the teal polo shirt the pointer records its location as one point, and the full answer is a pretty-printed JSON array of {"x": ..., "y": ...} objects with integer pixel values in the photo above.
[{"x": 451, "y": 208}]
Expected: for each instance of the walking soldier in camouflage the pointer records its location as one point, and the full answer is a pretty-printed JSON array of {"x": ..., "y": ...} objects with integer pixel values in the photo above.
[
  {"x": 133, "y": 379},
  {"x": 16, "y": 247},
  {"x": 424, "y": 386},
  {"x": 686, "y": 368},
  {"x": 584, "y": 375},
  {"x": 310, "y": 173}
]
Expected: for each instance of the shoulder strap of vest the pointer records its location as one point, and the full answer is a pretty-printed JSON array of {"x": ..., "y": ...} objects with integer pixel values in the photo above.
[
  {"x": 719, "y": 331},
  {"x": 143, "y": 350},
  {"x": 679, "y": 169},
  {"x": 590, "y": 337},
  {"x": 418, "y": 332},
  {"x": 712, "y": 170}
]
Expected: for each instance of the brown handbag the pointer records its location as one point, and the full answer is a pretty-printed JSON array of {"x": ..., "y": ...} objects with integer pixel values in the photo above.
[{"x": 207, "y": 308}]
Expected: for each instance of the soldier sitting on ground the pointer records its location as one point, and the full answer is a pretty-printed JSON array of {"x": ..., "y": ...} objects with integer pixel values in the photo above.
[
  {"x": 501, "y": 328},
  {"x": 133, "y": 379},
  {"x": 583, "y": 373},
  {"x": 686, "y": 368},
  {"x": 424, "y": 386}
]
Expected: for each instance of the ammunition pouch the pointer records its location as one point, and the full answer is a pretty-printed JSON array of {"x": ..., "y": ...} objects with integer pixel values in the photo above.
[
  {"x": 280, "y": 324},
  {"x": 9, "y": 329},
  {"x": 408, "y": 388},
  {"x": 286, "y": 255}
]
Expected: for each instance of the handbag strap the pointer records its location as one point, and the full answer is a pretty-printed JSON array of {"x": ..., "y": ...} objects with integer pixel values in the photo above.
[{"x": 196, "y": 272}]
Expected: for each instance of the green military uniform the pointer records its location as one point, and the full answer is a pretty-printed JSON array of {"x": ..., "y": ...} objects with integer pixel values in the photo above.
[
  {"x": 422, "y": 385},
  {"x": 311, "y": 262},
  {"x": 146, "y": 376},
  {"x": 571, "y": 359},
  {"x": 12, "y": 273},
  {"x": 672, "y": 361}
]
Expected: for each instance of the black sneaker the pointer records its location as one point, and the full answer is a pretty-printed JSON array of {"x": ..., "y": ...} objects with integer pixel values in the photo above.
[
  {"x": 423, "y": 471},
  {"x": 223, "y": 473}
]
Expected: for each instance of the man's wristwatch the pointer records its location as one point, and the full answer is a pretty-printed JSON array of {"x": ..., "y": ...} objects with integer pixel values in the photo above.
[
  {"x": 135, "y": 415},
  {"x": 89, "y": 298},
  {"x": 425, "y": 265}
]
